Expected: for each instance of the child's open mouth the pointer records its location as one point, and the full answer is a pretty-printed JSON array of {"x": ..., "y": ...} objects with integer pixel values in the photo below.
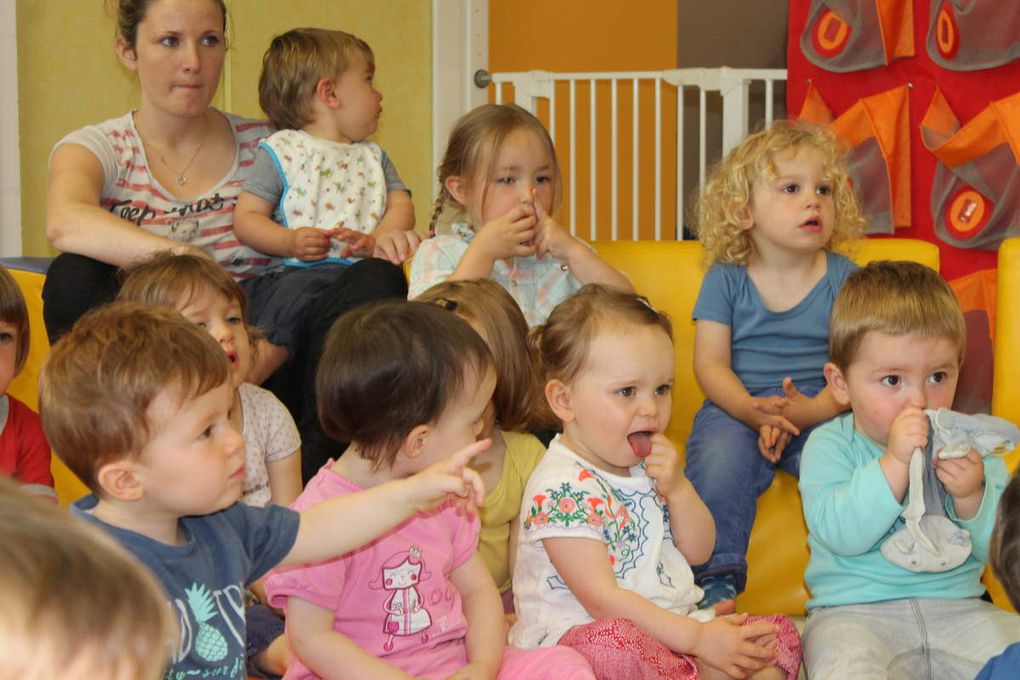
[
  {"x": 814, "y": 224},
  {"x": 640, "y": 443},
  {"x": 233, "y": 358}
]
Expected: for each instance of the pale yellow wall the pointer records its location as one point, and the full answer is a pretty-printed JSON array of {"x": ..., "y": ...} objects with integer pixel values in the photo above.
[{"x": 68, "y": 76}]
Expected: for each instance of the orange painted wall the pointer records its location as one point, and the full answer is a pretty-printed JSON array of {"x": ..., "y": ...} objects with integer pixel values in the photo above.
[
  {"x": 590, "y": 36},
  {"x": 582, "y": 35}
]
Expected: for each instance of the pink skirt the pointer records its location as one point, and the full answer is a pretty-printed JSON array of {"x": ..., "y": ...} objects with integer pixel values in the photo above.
[{"x": 616, "y": 648}]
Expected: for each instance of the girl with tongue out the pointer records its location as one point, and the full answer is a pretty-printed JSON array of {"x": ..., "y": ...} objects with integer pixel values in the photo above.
[
  {"x": 610, "y": 524},
  {"x": 768, "y": 218}
]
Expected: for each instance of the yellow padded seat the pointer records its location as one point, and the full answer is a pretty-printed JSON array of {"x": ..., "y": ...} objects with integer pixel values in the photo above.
[{"x": 669, "y": 275}]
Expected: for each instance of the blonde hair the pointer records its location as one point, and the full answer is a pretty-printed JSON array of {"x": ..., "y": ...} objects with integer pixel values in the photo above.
[
  {"x": 725, "y": 201},
  {"x": 483, "y": 303},
  {"x": 563, "y": 342},
  {"x": 14, "y": 312},
  {"x": 96, "y": 387},
  {"x": 896, "y": 298},
  {"x": 476, "y": 139},
  {"x": 75, "y": 604},
  {"x": 295, "y": 63}
]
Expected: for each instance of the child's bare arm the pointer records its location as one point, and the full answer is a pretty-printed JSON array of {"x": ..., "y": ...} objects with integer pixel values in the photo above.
[
  {"x": 583, "y": 564},
  {"x": 690, "y": 521},
  {"x": 585, "y": 264},
  {"x": 804, "y": 411},
  {"x": 507, "y": 236},
  {"x": 713, "y": 369},
  {"x": 395, "y": 238},
  {"x": 284, "y": 479},
  {"x": 327, "y": 529},
  {"x": 483, "y": 611},
  {"x": 254, "y": 227},
  {"x": 515, "y": 532},
  {"x": 327, "y": 653}
]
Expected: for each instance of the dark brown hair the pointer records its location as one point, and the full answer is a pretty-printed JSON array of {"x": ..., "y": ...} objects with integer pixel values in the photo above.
[
  {"x": 14, "y": 312},
  {"x": 96, "y": 387},
  {"x": 390, "y": 366},
  {"x": 487, "y": 306},
  {"x": 1004, "y": 554},
  {"x": 130, "y": 13}
]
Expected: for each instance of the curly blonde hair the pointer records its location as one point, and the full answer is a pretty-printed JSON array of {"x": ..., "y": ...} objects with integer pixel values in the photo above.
[{"x": 726, "y": 198}]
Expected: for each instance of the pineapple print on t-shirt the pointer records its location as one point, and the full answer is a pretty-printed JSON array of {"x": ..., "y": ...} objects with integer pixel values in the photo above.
[{"x": 212, "y": 628}]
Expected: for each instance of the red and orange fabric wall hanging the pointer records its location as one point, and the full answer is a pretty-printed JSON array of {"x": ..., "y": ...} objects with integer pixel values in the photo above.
[
  {"x": 844, "y": 52},
  {"x": 927, "y": 95}
]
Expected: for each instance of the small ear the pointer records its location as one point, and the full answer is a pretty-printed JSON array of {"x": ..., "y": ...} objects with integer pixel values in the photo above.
[
  {"x": 121, "y": 480},
  {"x": 414, "y": 442},
  {"x": 126, "y": 54},
  {"x": 327, "y": 93},
  {"x": 837, "y": 383},
  {"x": 457, "y": 187},
  {"x": 557, "y": 393},
  {"x": 746, "y": 218}
]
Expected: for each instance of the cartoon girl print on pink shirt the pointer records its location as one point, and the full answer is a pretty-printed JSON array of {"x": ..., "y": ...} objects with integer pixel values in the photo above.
[{"x": 405, "y": 613}]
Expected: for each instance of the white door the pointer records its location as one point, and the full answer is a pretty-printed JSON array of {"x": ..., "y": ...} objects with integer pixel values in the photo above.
[
  {"x": 10, "y": 162},
  {"x": 460, "y": 48}
]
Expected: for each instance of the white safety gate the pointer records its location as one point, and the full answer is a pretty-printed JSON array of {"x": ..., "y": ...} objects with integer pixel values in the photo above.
[{"x": 614, "y": 131}]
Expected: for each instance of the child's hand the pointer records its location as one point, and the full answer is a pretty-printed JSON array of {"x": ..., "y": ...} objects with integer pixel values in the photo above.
[
  {"x": 309, "y": 244},
  {"x": 772, "y": 442},
  {"x": 662, "y": 466},
  {"x": 964, "y": 478},
  {"x": 397, "y": 247},
  {"x": 799, "y": 408},
  {"x": 764, "y": 415},
  {"x": 358, "y": 244},
  {"x": 509, "y": 235},
  {"x": 909, "y": 431},
  {"x": 434, "y": 484},
  {"x": 733, "y": 648},
  {"x": 551, "y": 238},
  {"x": 475, "y": 671}
]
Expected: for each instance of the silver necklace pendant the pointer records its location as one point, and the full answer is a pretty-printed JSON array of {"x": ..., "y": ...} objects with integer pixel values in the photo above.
[{"x": 181, "y": 180}]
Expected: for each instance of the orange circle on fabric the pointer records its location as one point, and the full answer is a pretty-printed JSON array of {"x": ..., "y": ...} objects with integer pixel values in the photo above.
[
  {"x": 831, "y": 34},
  {"x": 967, "y": 213},
  {"x": 947, "y": 36}
]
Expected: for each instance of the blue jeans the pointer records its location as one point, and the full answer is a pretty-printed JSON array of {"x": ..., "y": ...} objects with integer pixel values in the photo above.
[
  {"x": 906, "y": 639},
  {"x": 729, "y": 473}
]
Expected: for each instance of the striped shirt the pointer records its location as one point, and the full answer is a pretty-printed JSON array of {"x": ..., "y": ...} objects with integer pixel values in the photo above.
[{"x": 207, "y": 222}]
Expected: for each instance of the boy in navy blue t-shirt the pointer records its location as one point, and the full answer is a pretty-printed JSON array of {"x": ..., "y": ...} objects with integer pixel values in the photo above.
[{"x": 136, "y": 401}]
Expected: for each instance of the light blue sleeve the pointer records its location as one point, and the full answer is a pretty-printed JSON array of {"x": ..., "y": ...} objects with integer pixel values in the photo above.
[
  {"x": 716, "y": 297},
  {"x": 848, "y": 505},
  {"x": 980, "y": 526}
]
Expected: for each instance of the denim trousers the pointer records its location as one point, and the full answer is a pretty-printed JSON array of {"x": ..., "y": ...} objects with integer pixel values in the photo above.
[
  {"x": 729, "y": 473},
  {"x": 908, "y": 639}
]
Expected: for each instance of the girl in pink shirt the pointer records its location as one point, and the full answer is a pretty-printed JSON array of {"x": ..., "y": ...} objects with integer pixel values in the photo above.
[{"x": 407, "y": 384}]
